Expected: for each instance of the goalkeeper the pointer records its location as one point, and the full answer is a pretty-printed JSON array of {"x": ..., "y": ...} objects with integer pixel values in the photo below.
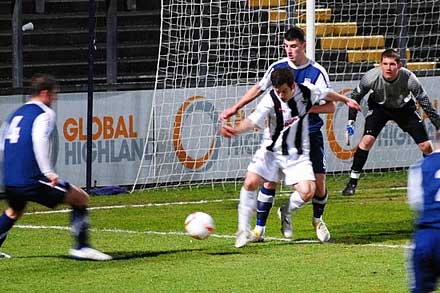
[
  {"x": 394, "y": 92},
  {"x": 304, "y": 70}
]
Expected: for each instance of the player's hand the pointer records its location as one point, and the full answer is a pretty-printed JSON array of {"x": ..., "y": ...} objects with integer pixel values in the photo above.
[
  {"x": 353, "y": 104},
  {"x": 53, "y": 178},
  {"x": 349, "y": 131},
  {"x": 227, "y": 131},
  {"x": 227, "y": 113}
]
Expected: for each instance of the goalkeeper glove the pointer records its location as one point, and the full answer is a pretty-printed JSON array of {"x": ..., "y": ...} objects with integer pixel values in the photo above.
[
  {"x": 350, "y": 127},
  {"x": 349, "y": 131}
]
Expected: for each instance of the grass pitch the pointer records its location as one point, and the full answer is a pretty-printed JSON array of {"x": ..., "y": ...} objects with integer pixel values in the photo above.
[{"x": 144, "y": 233}]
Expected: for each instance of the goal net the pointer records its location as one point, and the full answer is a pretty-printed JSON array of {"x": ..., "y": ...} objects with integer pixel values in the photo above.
[{"x": 211, "y": 52}]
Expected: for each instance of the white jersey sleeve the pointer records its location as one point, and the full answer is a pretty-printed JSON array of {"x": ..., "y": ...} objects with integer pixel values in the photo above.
[
  {"x": 266, "y": 82},
  {"x": 262, "y": 111},
  {"x": 415, "y": 189},
  {"x": 323, "y": 80},
  {"x": 41, "y": 133}
]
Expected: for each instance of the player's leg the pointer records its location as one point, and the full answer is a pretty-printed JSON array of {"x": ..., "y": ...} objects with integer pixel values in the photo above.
[
  {"x": 422, "y": 269},
  {"x": 64, "y": 192},
  {"x": 78, "y": 199},
  {"x": 297, "y": 173},
  {"x": 265, "y": 201},
  {"x": 374, "y": 124},
  {"x": 263, "y": 167},
  {"x": 414, "y": 126},
  {"x": 246, "y": 207},
  {"x": 319, "y": 201},
  {"x": 10, "y": 215}
]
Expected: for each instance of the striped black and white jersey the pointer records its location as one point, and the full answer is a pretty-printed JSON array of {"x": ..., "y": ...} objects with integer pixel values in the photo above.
[
  {"x": 406, "y": 89},
  {"x": 311, "y": 72},
  {"x": 285, "y": 124}
]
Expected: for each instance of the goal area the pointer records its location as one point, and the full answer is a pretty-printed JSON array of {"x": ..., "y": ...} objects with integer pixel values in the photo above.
[{"x": 212, "y": 52}]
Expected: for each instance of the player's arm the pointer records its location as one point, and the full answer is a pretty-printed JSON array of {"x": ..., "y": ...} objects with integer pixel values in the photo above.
[
  {"x": 337, "y": 97},
  {"x": 244, "y": 126},
  {"x": 328, "y": 107},
  {"x": 41, "y": 131},
  {"x": 248, "y": 97},
  {"x": 415, "y": 190},
  {"x": 422, "y": 98},
  {"x": 358, "y": 93},
  {"x": 255, "y": 120},
  {"x": 3, "y": 129}
]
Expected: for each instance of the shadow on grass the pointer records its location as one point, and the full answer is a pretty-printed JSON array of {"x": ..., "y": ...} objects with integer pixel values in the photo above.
[
  {"x": 223, "y": 253},
  {"x": 368, "y": 233},
  {"x": 124, "y": 255}
]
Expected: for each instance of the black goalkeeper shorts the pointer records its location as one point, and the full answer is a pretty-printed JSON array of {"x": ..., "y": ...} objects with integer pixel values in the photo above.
[{"x": 407, "y": 118}]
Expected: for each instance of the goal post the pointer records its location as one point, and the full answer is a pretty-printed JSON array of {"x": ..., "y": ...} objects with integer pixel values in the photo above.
[{"x": 212, "y": 52}]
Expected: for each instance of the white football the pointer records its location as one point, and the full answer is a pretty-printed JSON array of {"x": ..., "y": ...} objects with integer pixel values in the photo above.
[{"x": 199, "y": 225}]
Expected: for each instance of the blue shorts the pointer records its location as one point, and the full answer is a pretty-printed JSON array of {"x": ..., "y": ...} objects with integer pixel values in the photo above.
[
  {"x": 317, "y": 155},
  {"x": 424, "y": 265},
  {"x": 42, "y": 193}
]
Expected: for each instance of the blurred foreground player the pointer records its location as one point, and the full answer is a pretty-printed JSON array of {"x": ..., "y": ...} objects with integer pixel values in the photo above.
[
  {"x": 28, "y": 172},
  {"x": 424, "y": 199}
]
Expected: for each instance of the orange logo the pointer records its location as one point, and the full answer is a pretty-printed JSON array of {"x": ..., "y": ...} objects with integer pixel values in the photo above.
[{"x": 188, "y": 161}]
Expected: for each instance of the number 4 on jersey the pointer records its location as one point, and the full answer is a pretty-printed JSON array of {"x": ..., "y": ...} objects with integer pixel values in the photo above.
[{"x": 13, "y": 132}]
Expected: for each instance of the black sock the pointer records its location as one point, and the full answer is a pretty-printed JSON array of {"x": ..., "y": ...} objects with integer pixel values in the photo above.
[
  {"x": 80, "y": 227},
  {"x": 319, "y": 205},
  {"x": 359, "y": 160},
  {"x": 6, "y": 224}
]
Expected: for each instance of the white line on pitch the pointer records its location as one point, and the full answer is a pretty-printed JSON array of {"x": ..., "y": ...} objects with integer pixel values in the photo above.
[
  {"x": 174, "y": 233},
  {"x": 137, "y": 206}
]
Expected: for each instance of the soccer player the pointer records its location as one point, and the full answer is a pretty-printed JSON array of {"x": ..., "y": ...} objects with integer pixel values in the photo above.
[
  {"x": 424, "y": 199},
  {"x": 394, "y": 92},
  {"x": 28, "y": 172},
  {"x": 284, "y": 152},
  {"x": 305, "y": 70}
]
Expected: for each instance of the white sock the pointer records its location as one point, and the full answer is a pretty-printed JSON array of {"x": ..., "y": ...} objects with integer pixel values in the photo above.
[
  {"x": 259, "y": 229},
  {"x": 295, "y": 202},
  {"x": 316, "y": 220},
  {"x": 246, "y": 208}
]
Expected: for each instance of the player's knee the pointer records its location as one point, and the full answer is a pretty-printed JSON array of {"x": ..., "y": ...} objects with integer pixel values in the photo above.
[
  {"x": 77, "y": 197},
  {"x": 307, "y": 190},
  {"x": 367, "y": 142},
  {"x": 308, "y": 195},
  {"x": 14, "y": 214},
  {"x": 251, "y": 185},
  {"x": 426, "y": 147},
  {"x": 252, "y": 182},
  {"x": 270, "y": 185}
]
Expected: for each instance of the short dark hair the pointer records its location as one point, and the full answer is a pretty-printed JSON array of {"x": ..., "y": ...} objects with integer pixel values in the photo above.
[
  {"x": 43, "y": 82},
  {"x": 390, "y": 53},
  {"x": 294, "y": 33},
  {"x": 280, "y": 76}
]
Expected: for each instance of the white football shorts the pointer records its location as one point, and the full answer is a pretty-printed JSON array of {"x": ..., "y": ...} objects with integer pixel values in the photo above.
[{"x": 276, "y": 167}]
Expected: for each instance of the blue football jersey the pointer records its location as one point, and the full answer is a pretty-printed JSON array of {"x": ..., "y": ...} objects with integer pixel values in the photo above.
[
  {"x": 424, "y": 190},
  {"x": 310, "y": 72},
  {"x": 27, "y": 130}
]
